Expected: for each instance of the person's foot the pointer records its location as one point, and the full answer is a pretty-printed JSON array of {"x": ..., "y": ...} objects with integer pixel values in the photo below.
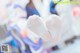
[
  {"x": 55, "y": 26},
  {"x": 37, "y": 25}
]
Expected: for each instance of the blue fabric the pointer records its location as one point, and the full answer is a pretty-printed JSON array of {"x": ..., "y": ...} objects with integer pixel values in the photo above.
[
  {"x": 31, "y": 11},
  {"x": 13, "y": 42},
  {"x": 52, "y": 8},
  {"x": 29, "y": 42},
  {"x": 18, "y": 6}
]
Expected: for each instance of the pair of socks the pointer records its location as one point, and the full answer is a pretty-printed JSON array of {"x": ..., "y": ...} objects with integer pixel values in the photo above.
[{"x": 49, "y": 30}]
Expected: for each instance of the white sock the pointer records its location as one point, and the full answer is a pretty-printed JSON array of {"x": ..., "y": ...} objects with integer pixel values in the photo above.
[
  {"x": 54, "y": 25},
  {"x": 36, "y": 25}
]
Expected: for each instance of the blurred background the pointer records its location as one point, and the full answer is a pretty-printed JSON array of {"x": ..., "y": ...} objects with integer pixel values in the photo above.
[{"x": 40, "y": 26}]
